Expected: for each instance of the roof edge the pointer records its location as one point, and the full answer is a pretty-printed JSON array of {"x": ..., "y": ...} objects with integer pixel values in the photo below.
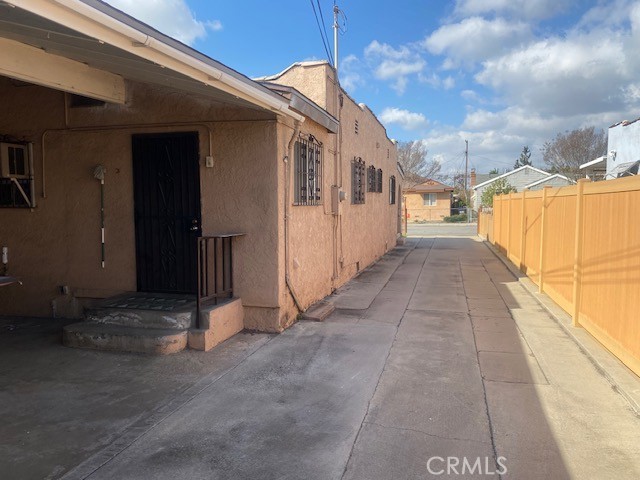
[
  {"x": 96, "y": 19},
  {"x": 510, "y": 173}
]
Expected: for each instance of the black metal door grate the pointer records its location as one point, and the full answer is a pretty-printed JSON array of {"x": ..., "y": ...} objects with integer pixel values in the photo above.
[{"x": 167, "y": 211}]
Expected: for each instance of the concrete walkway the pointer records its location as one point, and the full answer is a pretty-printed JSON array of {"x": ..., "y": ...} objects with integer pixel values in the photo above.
[{"x": 435, "y": 360}]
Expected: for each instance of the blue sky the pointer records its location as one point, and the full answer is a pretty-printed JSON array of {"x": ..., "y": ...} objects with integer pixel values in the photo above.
[{"x": 499, "y": 73}]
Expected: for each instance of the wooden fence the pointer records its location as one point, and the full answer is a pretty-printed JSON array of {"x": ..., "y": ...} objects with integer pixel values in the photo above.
[{"x": 581, "y": 246}]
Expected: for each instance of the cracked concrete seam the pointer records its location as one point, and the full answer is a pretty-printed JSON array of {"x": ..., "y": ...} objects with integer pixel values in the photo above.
[
  {"x": 386, "y": 360},
  {"x": 494, "y": 449},
  {"x": 443, "y": 437}
]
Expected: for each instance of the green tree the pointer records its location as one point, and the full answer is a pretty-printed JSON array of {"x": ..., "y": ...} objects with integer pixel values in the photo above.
[
  {"x": 412, "y": 156},
  {"x": 494, "y": 171},
  {"x": 567, "y": 151},
  {"x": 498, "y": 187},
  {"x": 524, "y": 159}
]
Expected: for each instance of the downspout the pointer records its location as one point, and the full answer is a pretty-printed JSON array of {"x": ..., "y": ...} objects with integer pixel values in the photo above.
[{"x": 289, "y": 154}]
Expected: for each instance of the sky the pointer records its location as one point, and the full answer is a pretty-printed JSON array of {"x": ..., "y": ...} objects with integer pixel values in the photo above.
[{"x": 501, "y": 74}]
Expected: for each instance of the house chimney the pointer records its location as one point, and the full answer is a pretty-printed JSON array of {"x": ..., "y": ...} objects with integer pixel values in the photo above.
[{"x": 473, "y": 177}]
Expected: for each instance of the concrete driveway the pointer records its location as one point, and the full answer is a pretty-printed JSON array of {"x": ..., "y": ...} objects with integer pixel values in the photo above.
[{"x": 436, "y": 363}]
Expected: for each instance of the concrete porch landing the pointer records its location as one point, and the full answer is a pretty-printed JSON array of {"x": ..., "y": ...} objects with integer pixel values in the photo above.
[{"x": 154, "y": 323}]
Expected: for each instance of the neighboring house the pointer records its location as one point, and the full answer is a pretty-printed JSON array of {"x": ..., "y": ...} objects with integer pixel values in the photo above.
[
  {"x": 596, "y": 169},
  {"x": 555, "y": 180},
  {"x": 104, "y": 115},
  {"x": 520, "y": 179},
  {"x": 477, "y": 178},
  {"x": 623, "y": 146},
  {"x": 428, "y": 201}
]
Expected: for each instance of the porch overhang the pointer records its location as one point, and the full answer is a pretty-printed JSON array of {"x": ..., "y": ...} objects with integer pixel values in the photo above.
[
  {"x": 33, "y": 65},
  {"x": 110, "y": 43}
]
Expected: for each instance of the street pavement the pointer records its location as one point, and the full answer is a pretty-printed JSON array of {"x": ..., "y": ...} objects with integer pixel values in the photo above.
[
  {"x": 437, "y": 363},
  {"x": 441, "y": 229}
]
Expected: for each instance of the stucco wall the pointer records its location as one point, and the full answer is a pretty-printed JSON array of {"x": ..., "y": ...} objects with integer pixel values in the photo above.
[
  {"x": 320, "y": 241},
  {"x": 58, "y": 242},
  {"x": 625, "y": 141},
  {"x": 417, "y": 210}
]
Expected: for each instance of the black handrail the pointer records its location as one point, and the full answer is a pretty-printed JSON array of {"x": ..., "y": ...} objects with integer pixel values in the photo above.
[{"x": 215, "y": 270}]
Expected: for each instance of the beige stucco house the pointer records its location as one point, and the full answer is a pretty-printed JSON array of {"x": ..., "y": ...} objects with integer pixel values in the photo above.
[
  {"x": 428, "y": 201},
  {"x": 122, "y": 146}
]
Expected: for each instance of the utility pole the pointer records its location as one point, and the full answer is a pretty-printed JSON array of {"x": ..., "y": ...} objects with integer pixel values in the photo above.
[
  {"x": 466, "y": 175},
  {"x": 336, "y": 10}
]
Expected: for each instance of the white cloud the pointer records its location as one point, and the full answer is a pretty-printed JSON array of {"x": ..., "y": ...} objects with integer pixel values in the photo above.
[
  {"x": 470, "y": 95},
  {"x": 496, "y": 138},
  {"x": 387, "y": 51},
  {"x": 529, "y": 9},
  {"x": 393, "y": 64},
  {"x": 390, "y": 69},
  {"x": 436, "y": 81},
  {"x": 521, "y": 82},
  {"x": 475, "y": 39},
  {"x": 582, "y": 73},
  {"x": 350, "y": 73},
  {"x": 448, "y": 83},
  {"x": 171, "y": 17},
  {"x": 214, "y": 25},
  {"x": 406, "y": 119}
]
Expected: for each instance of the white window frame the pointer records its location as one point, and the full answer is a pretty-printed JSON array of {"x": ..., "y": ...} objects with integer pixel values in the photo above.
[
  {"x": 429, "y": 199},
  {"x": 5, "y": 166}
]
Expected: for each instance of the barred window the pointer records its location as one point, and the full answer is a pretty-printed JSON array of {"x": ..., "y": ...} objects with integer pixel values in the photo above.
[
  {"x": 357, "y": 181},
  {"x": 379, "y": 181},
  {"x": 371, "y": 179},
  {"x": 392, "y": 190},
  {"x": 308, "y": 171},
  {"x": 15, "y": 192}
]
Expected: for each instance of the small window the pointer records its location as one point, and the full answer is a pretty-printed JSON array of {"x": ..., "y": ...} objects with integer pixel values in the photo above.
[
  {"x": 308, "y": 171},
  {"x": 356, "y": 127},
  {"x": 429, "y": 199},
  {"x": 392, "y": 190},
  {"x": 371, "y": 179},
  {"x": 379, "y": 181},
  {"x": 13, "y": 158},
  {"x": 357, "y": 181},
  {"x": 15, "y": 183}
]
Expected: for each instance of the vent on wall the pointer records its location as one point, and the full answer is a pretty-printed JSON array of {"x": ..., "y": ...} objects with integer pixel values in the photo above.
[
  {"x": 79, "y": 101},
  {"x": 356, "y": 127}
]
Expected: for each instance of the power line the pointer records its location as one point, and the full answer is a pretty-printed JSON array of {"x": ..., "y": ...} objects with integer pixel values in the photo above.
[
  {"x": 324, "y": 25},
  {"x": 321, "y": 30}
]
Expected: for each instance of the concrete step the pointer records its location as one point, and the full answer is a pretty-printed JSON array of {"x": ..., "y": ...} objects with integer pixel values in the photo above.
[
  {"x": 144, "y": 310},
  {"x": 138, "y": 318},
  {"x": 318, "y": 312},
  {"x": 101, "y": 336},
  {"x": 217, "y": 324}
]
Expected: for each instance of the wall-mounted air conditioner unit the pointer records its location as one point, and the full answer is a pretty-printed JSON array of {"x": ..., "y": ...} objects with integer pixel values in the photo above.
[{"x": 14, "y": 160}]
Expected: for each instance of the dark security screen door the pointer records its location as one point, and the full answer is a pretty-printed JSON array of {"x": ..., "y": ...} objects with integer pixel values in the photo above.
[{"x": 167, "y": 211}]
